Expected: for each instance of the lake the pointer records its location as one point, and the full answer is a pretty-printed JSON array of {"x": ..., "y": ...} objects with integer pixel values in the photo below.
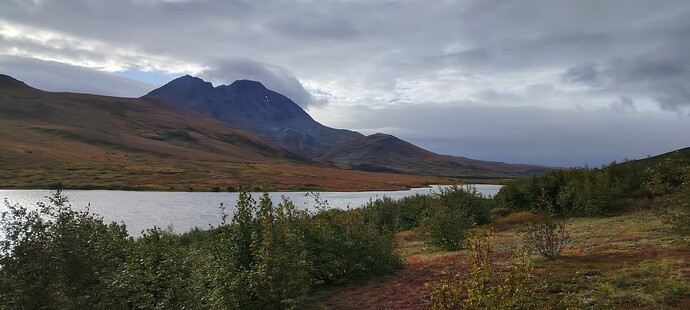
[{"x": 186, "y": 210}]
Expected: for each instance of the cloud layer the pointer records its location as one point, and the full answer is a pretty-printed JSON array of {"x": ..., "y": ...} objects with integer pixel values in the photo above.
[
  {"x": 60, "y": 77},
  {"x": 619, "y": 62}
]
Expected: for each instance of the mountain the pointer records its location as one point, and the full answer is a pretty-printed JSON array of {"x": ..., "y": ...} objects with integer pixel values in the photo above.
[
  {"x": 250, "y": 106},
  {"x": 88, "y": 141}
]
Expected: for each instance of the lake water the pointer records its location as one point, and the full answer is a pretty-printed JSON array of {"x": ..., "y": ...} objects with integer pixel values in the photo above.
[{"x": 185, "y": 210}]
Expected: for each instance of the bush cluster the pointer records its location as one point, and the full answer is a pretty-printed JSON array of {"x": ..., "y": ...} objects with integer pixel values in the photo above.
[
  {"x": 267, "y": 256},
  {"x": 443, "y": 216},
  {"x": 598, "y": 191}
]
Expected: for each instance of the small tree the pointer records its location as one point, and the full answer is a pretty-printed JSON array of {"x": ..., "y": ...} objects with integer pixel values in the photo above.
[{"x": 546, "y": 234}]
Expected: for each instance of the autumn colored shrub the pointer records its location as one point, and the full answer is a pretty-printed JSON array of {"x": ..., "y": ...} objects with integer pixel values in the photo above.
[{"x": 487, "y": 284}]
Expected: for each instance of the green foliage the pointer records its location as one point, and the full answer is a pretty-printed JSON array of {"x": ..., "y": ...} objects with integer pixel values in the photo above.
[
  {"x": 55, "y": 257},
  {"x": 156, "y": 272},
  {"x": 487, "y": 285},
  {"x": 281, "y": 271},
  {"x": 446, "y": 226},
  {"x": 341, "y": 245},
  {"x": 666, "y": 176},
  {"x": 267, "y": 257},
  {"x": 598, "y": 191},
  {"x": 451, "y": 212},
  {"x": 674, "y": 210}
]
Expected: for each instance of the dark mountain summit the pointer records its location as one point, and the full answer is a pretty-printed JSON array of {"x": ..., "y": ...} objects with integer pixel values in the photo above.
[{"x": 250, "y": 106}]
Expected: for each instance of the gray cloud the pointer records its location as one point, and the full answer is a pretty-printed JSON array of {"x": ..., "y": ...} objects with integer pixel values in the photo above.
[
  {"x": 55, "y": 76},
  {"x": 523, "y": 134},
  {"x": 273, "y": 77},
  {"x": 623, "y": 104},
  {"x": 587, "y": 74}
]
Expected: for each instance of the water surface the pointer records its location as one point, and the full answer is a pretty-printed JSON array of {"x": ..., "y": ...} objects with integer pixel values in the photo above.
[{"x": 185, "y": 210}]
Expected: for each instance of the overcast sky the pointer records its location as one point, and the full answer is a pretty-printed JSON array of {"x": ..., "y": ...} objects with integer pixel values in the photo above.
[{"x": 562, "y": 83}]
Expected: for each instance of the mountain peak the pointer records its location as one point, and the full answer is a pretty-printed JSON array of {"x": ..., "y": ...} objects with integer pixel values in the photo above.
[
  {"x": 247, "y": 86},
  {"x": 182, "y": 89},
  {"x": 188, "y": 80}
]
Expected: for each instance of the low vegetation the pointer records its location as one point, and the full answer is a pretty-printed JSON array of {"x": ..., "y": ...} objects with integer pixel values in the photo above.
[
  {"x": 586, "y": 238},
  {"x": 613, "y": 237}
]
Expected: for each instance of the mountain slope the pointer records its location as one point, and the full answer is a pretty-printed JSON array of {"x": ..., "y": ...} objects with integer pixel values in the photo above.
[
  {"x": 250, "y": 106},
  {"x": 386, "y": 153},
  {"x": 132, "y": 124},
  {"x": 88, "y": 141}
]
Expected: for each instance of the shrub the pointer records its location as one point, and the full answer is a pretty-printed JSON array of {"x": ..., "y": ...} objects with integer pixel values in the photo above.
[
  {"x": 280, "y": 274},
  {"x": 486, "y": 285},
  {"x": 667, "y": 175},
  {"x": 56, "y": 257},
  {"x": 674, "y": 210},
  {"x": 446, "y": 227},
  {"x": 451, "y": 212},
  {"x": 156, "y": 273},
  {"x": 546, "y": 233},
  {"x": 341, "y": 245},
  {"x": 267, "y": 257},
  {"x": 468, "y": 198}
]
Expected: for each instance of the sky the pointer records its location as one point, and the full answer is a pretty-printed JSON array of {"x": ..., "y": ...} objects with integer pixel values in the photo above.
[{"x": 561, "y": 83}]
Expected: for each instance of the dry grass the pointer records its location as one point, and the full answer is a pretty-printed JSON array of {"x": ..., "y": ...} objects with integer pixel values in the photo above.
[
  {"x": 513, "y": 220},
  {"x": 629, "y": 261}
]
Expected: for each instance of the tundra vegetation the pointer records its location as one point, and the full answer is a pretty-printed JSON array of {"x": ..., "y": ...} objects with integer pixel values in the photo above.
[{"x": 583, "y": 238}]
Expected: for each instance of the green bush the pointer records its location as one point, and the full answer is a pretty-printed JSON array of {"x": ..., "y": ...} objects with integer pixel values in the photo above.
[
  {"x": 451, "y": 212},
  {"x": 156, "y": 272},
  {"x": 599, "y": 191},
  {"x": 341, "y": 246},
  {"x": 56, "y": 257},
  {"x": 266, "y": 257},
  {"x": 446, "y": 227}
]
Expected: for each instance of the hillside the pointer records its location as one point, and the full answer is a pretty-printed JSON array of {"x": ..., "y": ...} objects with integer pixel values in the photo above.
[
  {"x": 251, "y": 106},
  {"x": 87, "y": 141},
  {"x": 387, "y": 153},
  {"x": 189, "y": 135}
]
